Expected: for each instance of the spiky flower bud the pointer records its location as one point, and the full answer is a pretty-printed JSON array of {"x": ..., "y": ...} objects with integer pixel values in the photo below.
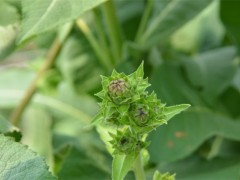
[
  {"x": 126, "y": 143},
  {"x": 118, "y": 90},
  {"x": 140, "y": 114},
  {"x": 117, "y": 87}
]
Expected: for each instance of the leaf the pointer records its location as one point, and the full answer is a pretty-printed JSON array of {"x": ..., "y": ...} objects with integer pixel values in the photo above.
[
  {"x": 43, "y": 15},
  {"x": 198, "y": 168},
  {"x": 185, "y": 133},
  {"x": 19, "y": 162},
  {"x": 229, "y": 14},
  {"x": 171, "y": 86},
  {"x": 173, "y": 16},
  {"x": 121, "y": 165},
  {"x": 79, "y": 154},
  {"x": 171, "y": 111},
  {"x": 9, "y": 130},
  {"x": 204, "y": 32},
  {"x": 36, "y": 129},
  {"x": 7, "y": 43},
  {"x": 8, "y": 14},
  {"x": 212, "y": 71},
  {"x": 166, "y": 176},
  {"x": 140, "y": 72},
  {"x": 78, "y": 165},
  {"x": 78, "y": 63}
]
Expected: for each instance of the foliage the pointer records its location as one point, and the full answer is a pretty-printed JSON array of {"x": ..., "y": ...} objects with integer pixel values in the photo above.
[{"x": 52, "y": 54}]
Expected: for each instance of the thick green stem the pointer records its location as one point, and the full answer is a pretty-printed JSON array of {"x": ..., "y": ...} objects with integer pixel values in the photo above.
[
  {"x": 144, "y": 19},
  {"x": 114, "y": 29},
  {"x": 138, "y": 168},
  {"x": 102, "y": 56}
]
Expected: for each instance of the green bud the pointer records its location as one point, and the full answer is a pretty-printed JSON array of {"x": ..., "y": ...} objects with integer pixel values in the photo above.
[
  {"x": 118, "y": 90},
  {"x": 140, "y": 114},
  {"x": 124, "y": 142}
]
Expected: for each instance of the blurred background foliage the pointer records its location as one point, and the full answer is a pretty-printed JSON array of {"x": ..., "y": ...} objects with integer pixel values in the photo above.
[{"x": 191, "y": 53}]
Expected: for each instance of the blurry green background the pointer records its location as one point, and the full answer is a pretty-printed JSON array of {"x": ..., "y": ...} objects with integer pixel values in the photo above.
[{"x": 190, "y": 50}]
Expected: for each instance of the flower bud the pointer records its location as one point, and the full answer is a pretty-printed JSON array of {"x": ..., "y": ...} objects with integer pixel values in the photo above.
[
  {"x": 140, "y": 115},
  {"x": 118, "y": 89}
]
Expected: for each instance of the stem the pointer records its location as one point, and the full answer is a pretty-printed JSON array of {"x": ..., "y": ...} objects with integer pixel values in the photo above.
[
  {"x": 144, "y": 19},
  {"x": 17, "y": 113},
  {"x": 114, "y": 29},
  {"x": 138, "y": 168},
  {"x": 101, "y": 34},
  {"x": 102, "y": 56},
  {"x": 50, "y": 59}
]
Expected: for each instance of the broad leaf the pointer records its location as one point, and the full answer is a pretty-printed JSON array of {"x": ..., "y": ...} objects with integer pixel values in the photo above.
[
  {"x": 121, "y": 165},
  {"x": 18, "y": 162},
  {"x": 204, "y": 32},
  {"x": 185, "y": 133},
  {"x": 81, "y": 157},
  {"x": 173, "y": 16},
  {"x": 212, "y": 71},
  {"x": 171, "y": 86},
  {"x": 43, "y": 15},
  {"x": 8, "y": 14},
  {"x": 199, "y": 169}
]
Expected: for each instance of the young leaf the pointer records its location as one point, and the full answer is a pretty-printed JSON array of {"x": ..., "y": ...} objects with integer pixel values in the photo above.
[
  {"x": 174, "y": 110},
  {"x": 19, "y": 162},
  {"x": 166, "y": 176},
  {"x": 121, "y": 165}
]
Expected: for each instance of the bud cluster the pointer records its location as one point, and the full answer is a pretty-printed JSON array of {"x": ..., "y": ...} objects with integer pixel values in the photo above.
[{"x": 127, "y": 106}]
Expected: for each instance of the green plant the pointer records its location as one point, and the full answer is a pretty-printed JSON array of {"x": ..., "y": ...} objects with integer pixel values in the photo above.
[
  {"x": 52, "y": 53},
  {"x": 132, "y": 113}
]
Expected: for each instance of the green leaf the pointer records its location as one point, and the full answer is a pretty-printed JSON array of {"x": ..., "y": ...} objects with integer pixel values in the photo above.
[
  {"x": 43, "y": 15},
  {"x": 78, "y": 165},
  {"x": 173, "y": 16},
  {"x": 171, "y": 86},
  {"x": 204, "y": 32},
  {"x": 8, "y": 14},
  {"x": 200, "y": 169},
  {"x": 121, "y": 165},
  {"x": 187, "y": 131},
  {"x": 166, "y": 176},
  {"x": 7, "y": 43},
  {"x": 19, "y": 162},
  {"x": 140, "y": 72},
  {"x": 78, "y": 63},
  {"x": 229, "y": 13},
  {"x": 36, "y": 129},
  {"x": 171, "y": 111},
  {"x": 78, "y": 155},
  {"x": 8, "y": 129},
  {"x": 212, "y": 71}
]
